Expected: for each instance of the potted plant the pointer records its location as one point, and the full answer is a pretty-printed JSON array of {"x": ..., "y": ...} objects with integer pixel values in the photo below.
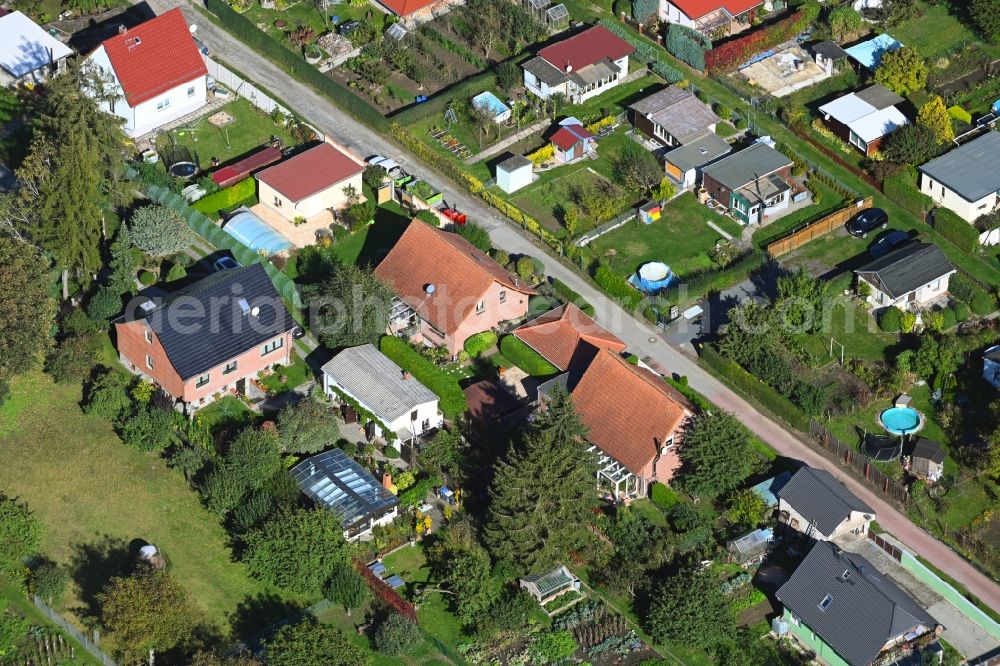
[{"x": 313, "y": 54}]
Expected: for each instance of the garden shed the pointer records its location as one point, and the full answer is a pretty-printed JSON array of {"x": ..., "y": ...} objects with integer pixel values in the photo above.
[
  {"x": 751, "y": 545},
  {"x": 927, "y": 459},
  {"x": 514, "y": 173},
  {"x": 545, "y": 587}
]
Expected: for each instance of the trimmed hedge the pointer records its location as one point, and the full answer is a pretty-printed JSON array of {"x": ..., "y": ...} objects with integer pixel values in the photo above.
[
  {"x": 752, "y": 387},
  {"x": 563, "y": 290},
  {"x": 526, "y": 358},
  {"x": 294, "y": 64},
  {"x": 962, "y": 235},
  {"x": 645, "y": 52},
  {"x": 227, "y": 198},
  {"x": 617, "y": 287},
  {"x": 662, "y": 495},
  {"x": 687, "y": 45},
  {"x": 480, "y": 342},
  {"x": 452, "y": 402},
  {"x": 891, "y": 319},
  {"x": 901, "y": 189}
]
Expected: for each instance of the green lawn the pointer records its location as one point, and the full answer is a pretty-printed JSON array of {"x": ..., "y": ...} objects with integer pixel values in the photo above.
[
  {"x": 614, "y": 101},
  {"x": 295, "y": 374},
  {"x": 249, "y": 129},
  {"x": 369, "y": 245},
  {"x": 681, "y": 238},
  {"x": 853, "y": 326},
  {"x": 936, "y": 32},
  {"x": 92, "y": 494},
  {"x": 227, "y": 410},
  {"x": 543, "y": 200}
]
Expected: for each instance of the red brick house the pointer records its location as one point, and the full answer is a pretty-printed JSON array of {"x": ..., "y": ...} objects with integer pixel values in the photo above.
[
  {"x": 447, "y": 289},
  {"x": 204, "y": 341},
  {"x": 635, "y": 422},
  {"x": 567, "y": 336}
]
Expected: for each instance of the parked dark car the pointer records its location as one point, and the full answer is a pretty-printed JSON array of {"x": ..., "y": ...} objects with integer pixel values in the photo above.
[
  {"x": 867, "y": 220},
  {"x": 888, "y": 242}
]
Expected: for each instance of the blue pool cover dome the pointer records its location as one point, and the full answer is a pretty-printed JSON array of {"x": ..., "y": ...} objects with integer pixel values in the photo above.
[{"x": 255, "y": 233}]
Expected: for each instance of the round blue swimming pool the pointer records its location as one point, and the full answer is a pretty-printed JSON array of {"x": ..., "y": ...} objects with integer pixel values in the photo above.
[{"x": 901, "y": 420}]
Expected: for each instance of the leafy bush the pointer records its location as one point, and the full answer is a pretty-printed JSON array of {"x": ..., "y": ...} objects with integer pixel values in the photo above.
[
  {"x": 961, "y": 311},
  {"x": 48, "y": 580},
  {"x": 687, "y": 45},
  {"x": 149, "y": 429},
  {"x": 526, "y": 358},
  {"x": 617, "y": 287},
  {"x": 475, "y": 234},
  {"x": 397, "y": 636},
  {"x": 571, "y": 296},
  {"x": 901, "y": 190},
  {"x": 891, "y": 319},
  {"x": 158, "y": 231},
  {"x": 734, "y": 52},
  {"x": 948, "y": 319},
  {"x": 542, "y": 155},
  {"x": 663, "y": 495},
  {"x": 962, "y": 234},
  {"x": 74, "y": 357},
  {"x": 982, "y": 304},
  {"x": 960, "y": 114},
  {"x": 104, "y": 304},
  {"x": 479, "y": 343},
  {"x": 146, "y": 278},
  {"x": 107, "y": 395},
  {"x": 446, "y": 387}
]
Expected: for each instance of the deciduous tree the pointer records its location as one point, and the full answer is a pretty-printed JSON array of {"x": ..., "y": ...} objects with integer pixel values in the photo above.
[
  {"x": 26, "y": 309},
  {"x": 347, "y": 587},
  {"x": 911, "y": 144},
  {"x": 20, "y": 533},
  {"x": 308, "y": 643},
  {"x": 443, "y": 453},
  {"x": 636, "y": 168},
  {"x": 351, "y": 308},
  {"x": 397, "y": 635},
  {"x": 307, "y": 426},
  {"x": 745, "y": 508},
  {"x": 934, "y": 116},
  {"x": 902, "y": 71},
  {"x": 463, "y": 567}
]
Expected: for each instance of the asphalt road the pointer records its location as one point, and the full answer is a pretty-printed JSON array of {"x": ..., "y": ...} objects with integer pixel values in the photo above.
[{"x": 642, "y": 339}]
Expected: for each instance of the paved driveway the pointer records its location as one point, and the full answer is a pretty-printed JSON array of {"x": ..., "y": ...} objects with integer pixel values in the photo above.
[{"x": 643, "y": 339}]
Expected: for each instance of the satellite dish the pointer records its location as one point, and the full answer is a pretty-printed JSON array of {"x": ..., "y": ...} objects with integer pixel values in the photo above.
[
  {"x": 193, "y": 28},
  {"x": 429, "y": 289},
  {"x": 255, "y": 311}
]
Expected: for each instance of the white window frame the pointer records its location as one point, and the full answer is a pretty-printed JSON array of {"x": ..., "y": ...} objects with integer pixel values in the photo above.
[
  {"x": 858, "y": 141},
  {"x": 203, "y": 380},
  {"x": 272, "y": 346},
  {"x": 149, "y": 361},
  {"x": 163, "y": 104},
  {"x": 148, "y": 335},
  {"x": 229, "y": 367}
]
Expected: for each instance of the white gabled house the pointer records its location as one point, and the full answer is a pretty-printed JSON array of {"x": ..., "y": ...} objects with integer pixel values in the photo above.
[
  {"x": 580, "y": 67},
  {"x": 156, "y": 70}
]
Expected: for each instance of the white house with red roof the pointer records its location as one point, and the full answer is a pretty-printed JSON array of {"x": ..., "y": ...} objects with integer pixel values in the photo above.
[
  {"x": 583, "y": 66},
  {"x": 311, "y": 182},
  {"x": 157, "y": 71},
  {"x": 708, "y": 16}
]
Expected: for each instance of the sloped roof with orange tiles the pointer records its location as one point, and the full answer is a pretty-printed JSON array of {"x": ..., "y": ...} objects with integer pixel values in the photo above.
[
  {"x": 154, "y": 57},
  {"x": 586, "y": 48},
  {"x": 558, "y": 334},
  {"x": 405, "y": 7},
  {"x": 695, "y": 9},
  {"x": 460, "y": 273},
  {"x": 629, "y": 410},
  {"x": 311, "y": 171}
]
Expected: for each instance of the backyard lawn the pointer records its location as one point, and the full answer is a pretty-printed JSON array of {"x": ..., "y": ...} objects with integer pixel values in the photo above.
[
  {"x": 543, "y": 200},
  {"x": 94, "y": 496},
  {"x": 249, "y": 129},
  {"x": 681, "y": 238},
  {"x": 295, "y": 374},
  {"x": 936, "y": 32},
  {"x": 852, "y": 326}
]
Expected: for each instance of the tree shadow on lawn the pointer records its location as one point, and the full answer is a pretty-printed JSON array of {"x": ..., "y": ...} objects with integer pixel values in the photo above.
[
  {"x": 389, "y": 226},
  {"x": 259, "y": 612},
  {"x": 93, "y": 565}
]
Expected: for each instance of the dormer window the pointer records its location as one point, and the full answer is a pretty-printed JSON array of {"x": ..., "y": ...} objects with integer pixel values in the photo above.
[
  {"x": 846, "y": 574},
  {"x": 827, "y": 600}
]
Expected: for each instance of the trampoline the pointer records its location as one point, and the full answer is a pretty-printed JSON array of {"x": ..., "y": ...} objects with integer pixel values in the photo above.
[
  {"x": 180, "y": 161},
  {"x": 256, "y": 234},
  {"x": 652, "y": 277},
  {"x": 487, "y": 100},
  {"x": 882, "y": 447}
]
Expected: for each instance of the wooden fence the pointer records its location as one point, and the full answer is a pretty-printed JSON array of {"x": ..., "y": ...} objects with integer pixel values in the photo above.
[
  {"x": 820, "y": 227},
  {"x": 893, "y": 552},
  {"x": 858, "y": 463}
]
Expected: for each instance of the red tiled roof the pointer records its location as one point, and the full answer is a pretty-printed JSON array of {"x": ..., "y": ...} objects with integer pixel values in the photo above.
[
  {"x": 461, "y": 274},
  {"x": 629, "y": 411},
  {"x": 558, "y": 335},
  {"x": 586, "y": 48},
  {"x": 569, "y": 135},
  {"x": 695, "y": 9},
  {"x": 311, "y": 171},
  {"x": 154, "y": 57},
  {"x": 237, "y": 171},
  {"x": 405, "y": 7}
]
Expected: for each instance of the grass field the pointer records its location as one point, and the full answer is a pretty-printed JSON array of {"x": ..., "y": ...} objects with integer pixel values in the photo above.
[
  {"x": 543, "y": 200},
  {"x": 681, "y": 238},
  {"x": 94, "y": 496},
  {"x": 935, "y": 33},
  {"x": 250, "y": 129}
]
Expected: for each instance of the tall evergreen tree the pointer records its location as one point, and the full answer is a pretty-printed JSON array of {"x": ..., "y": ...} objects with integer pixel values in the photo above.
[
  {"x": 26, "y": 310},
  {"x": 543, "y": 492}
]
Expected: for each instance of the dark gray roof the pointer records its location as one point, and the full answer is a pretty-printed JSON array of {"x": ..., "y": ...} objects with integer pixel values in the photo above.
[
  {"x": 879, "y": 96},
  {"x": 378, "y": 383},
  {"x": 929, "y": 450},
  {"x": 677, "y": 111},
  {"x": 907, "y": 268},
  {"x": 700, "y": 151},
  {"x": 334, "y": 481},
  {"x": 972, "y": 170},
  {"x": 513, "y": 163},
  {"x": 865, "y": 610},
  {"x": 212, "y": 321},
  {"x": 546, "y": 72},
  {"x": 821, "y": 499},
  {"x": 748, "y": 165},
  {"x": 830, "y": 50}
]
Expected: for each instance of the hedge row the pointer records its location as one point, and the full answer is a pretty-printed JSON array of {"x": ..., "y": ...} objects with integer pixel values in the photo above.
[
  {"x": 294, "y": 64},
  {"x": 739, "y": 50},
  {"x": 645, "y": 52},
  {"x": 687, "y": 45},
  {"x": 750, "y": 386},
  {"x": 900, "y": 189},
  {"x": 480, "y": 342},
  {"x": 980, "y": 301},
  {"x": 617, "y": 287},
  {"x": 520, "y": 354},
  {"x": 563, "y": 290},
  {"x": 226, "y": 198},
  {"x": 452, "y": 399},
  {"x": 962, "y": 234}
]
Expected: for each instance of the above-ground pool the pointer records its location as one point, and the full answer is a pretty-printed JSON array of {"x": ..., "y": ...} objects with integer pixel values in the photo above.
[
  {"x": 901, "y": 420},
  {"x": 487, "y": 100},
  {"x": 652, "y": 277}
]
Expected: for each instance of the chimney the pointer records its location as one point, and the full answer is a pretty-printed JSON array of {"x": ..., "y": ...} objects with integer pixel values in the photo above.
[
  {"x": 387, "y": 481},
  {"x": 122, "y": 29},
  {"x": 405, "y": 375}
]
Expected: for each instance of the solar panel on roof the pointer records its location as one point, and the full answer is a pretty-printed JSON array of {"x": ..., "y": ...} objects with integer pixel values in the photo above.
[{"x": 338, "y": 483}]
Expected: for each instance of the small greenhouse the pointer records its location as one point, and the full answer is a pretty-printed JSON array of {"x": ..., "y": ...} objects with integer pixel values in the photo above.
[
  {"x": 557, "y": 18},
  {"x": 750, "y": 546},
  {"x": 548, "y": 585}
]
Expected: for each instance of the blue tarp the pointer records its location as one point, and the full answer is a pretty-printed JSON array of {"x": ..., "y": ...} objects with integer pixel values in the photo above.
[
  {"x": 768, "y": 490},
  {"x": 870, "y": 53}
]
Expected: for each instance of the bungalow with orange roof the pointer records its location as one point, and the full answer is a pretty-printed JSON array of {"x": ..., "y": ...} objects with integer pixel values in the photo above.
[
  {"x": 567, "y": 337},
  {"x": 156, "y": 70},
  {"x": 311, "y": 182},
  {"x": 635, "y": 422},
  {"x": 447, "y": 289},
  {"x": 710, "y": 16}
]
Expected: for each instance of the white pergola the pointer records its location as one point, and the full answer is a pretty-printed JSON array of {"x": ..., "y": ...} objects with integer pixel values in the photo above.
[{"x": 616, "y": 475}]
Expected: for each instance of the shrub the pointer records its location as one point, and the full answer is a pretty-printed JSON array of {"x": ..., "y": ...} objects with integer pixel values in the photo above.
[
  {"x": 397, "y": 636},
  {"x": 663, "y": 495},
  {"x": 961, "y": 311},
  {"x": 687, "y": 45},
  {"x": 960, "y": 114},
  {"x": 104, "y": 304},
  {"x": 146, "y": 278},
  {"x": 176, "y": 272},
  {"x": 617, "y": 287},
  {"x": 962, "y": 234},
  {"x": 948, "y": 319},
  {"x": 475, "y": 234},
  {"x": 74, "y": 358},
  {"x": 48, "y": 580},
  {"x": 226, "y": 198},
  {"x": 149, "y": 429},
  {"x": 907, "y": 322},
  {"x": 891, "y": 319},
  {"x": 734, "y": 52},
  {"x": 480, "y": 342},
  {"x": 526, "y": 358},
  {"x": 446, "y": 387},
  {"x": 982, "y": 304},
  {"x": 542, "y": 155},
  {"x": 571, "y": 296}
]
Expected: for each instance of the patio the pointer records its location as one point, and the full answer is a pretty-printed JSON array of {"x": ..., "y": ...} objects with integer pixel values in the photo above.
[
  {"x": 300, "y": 235},
  {"x": 786, "y": 71}
]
